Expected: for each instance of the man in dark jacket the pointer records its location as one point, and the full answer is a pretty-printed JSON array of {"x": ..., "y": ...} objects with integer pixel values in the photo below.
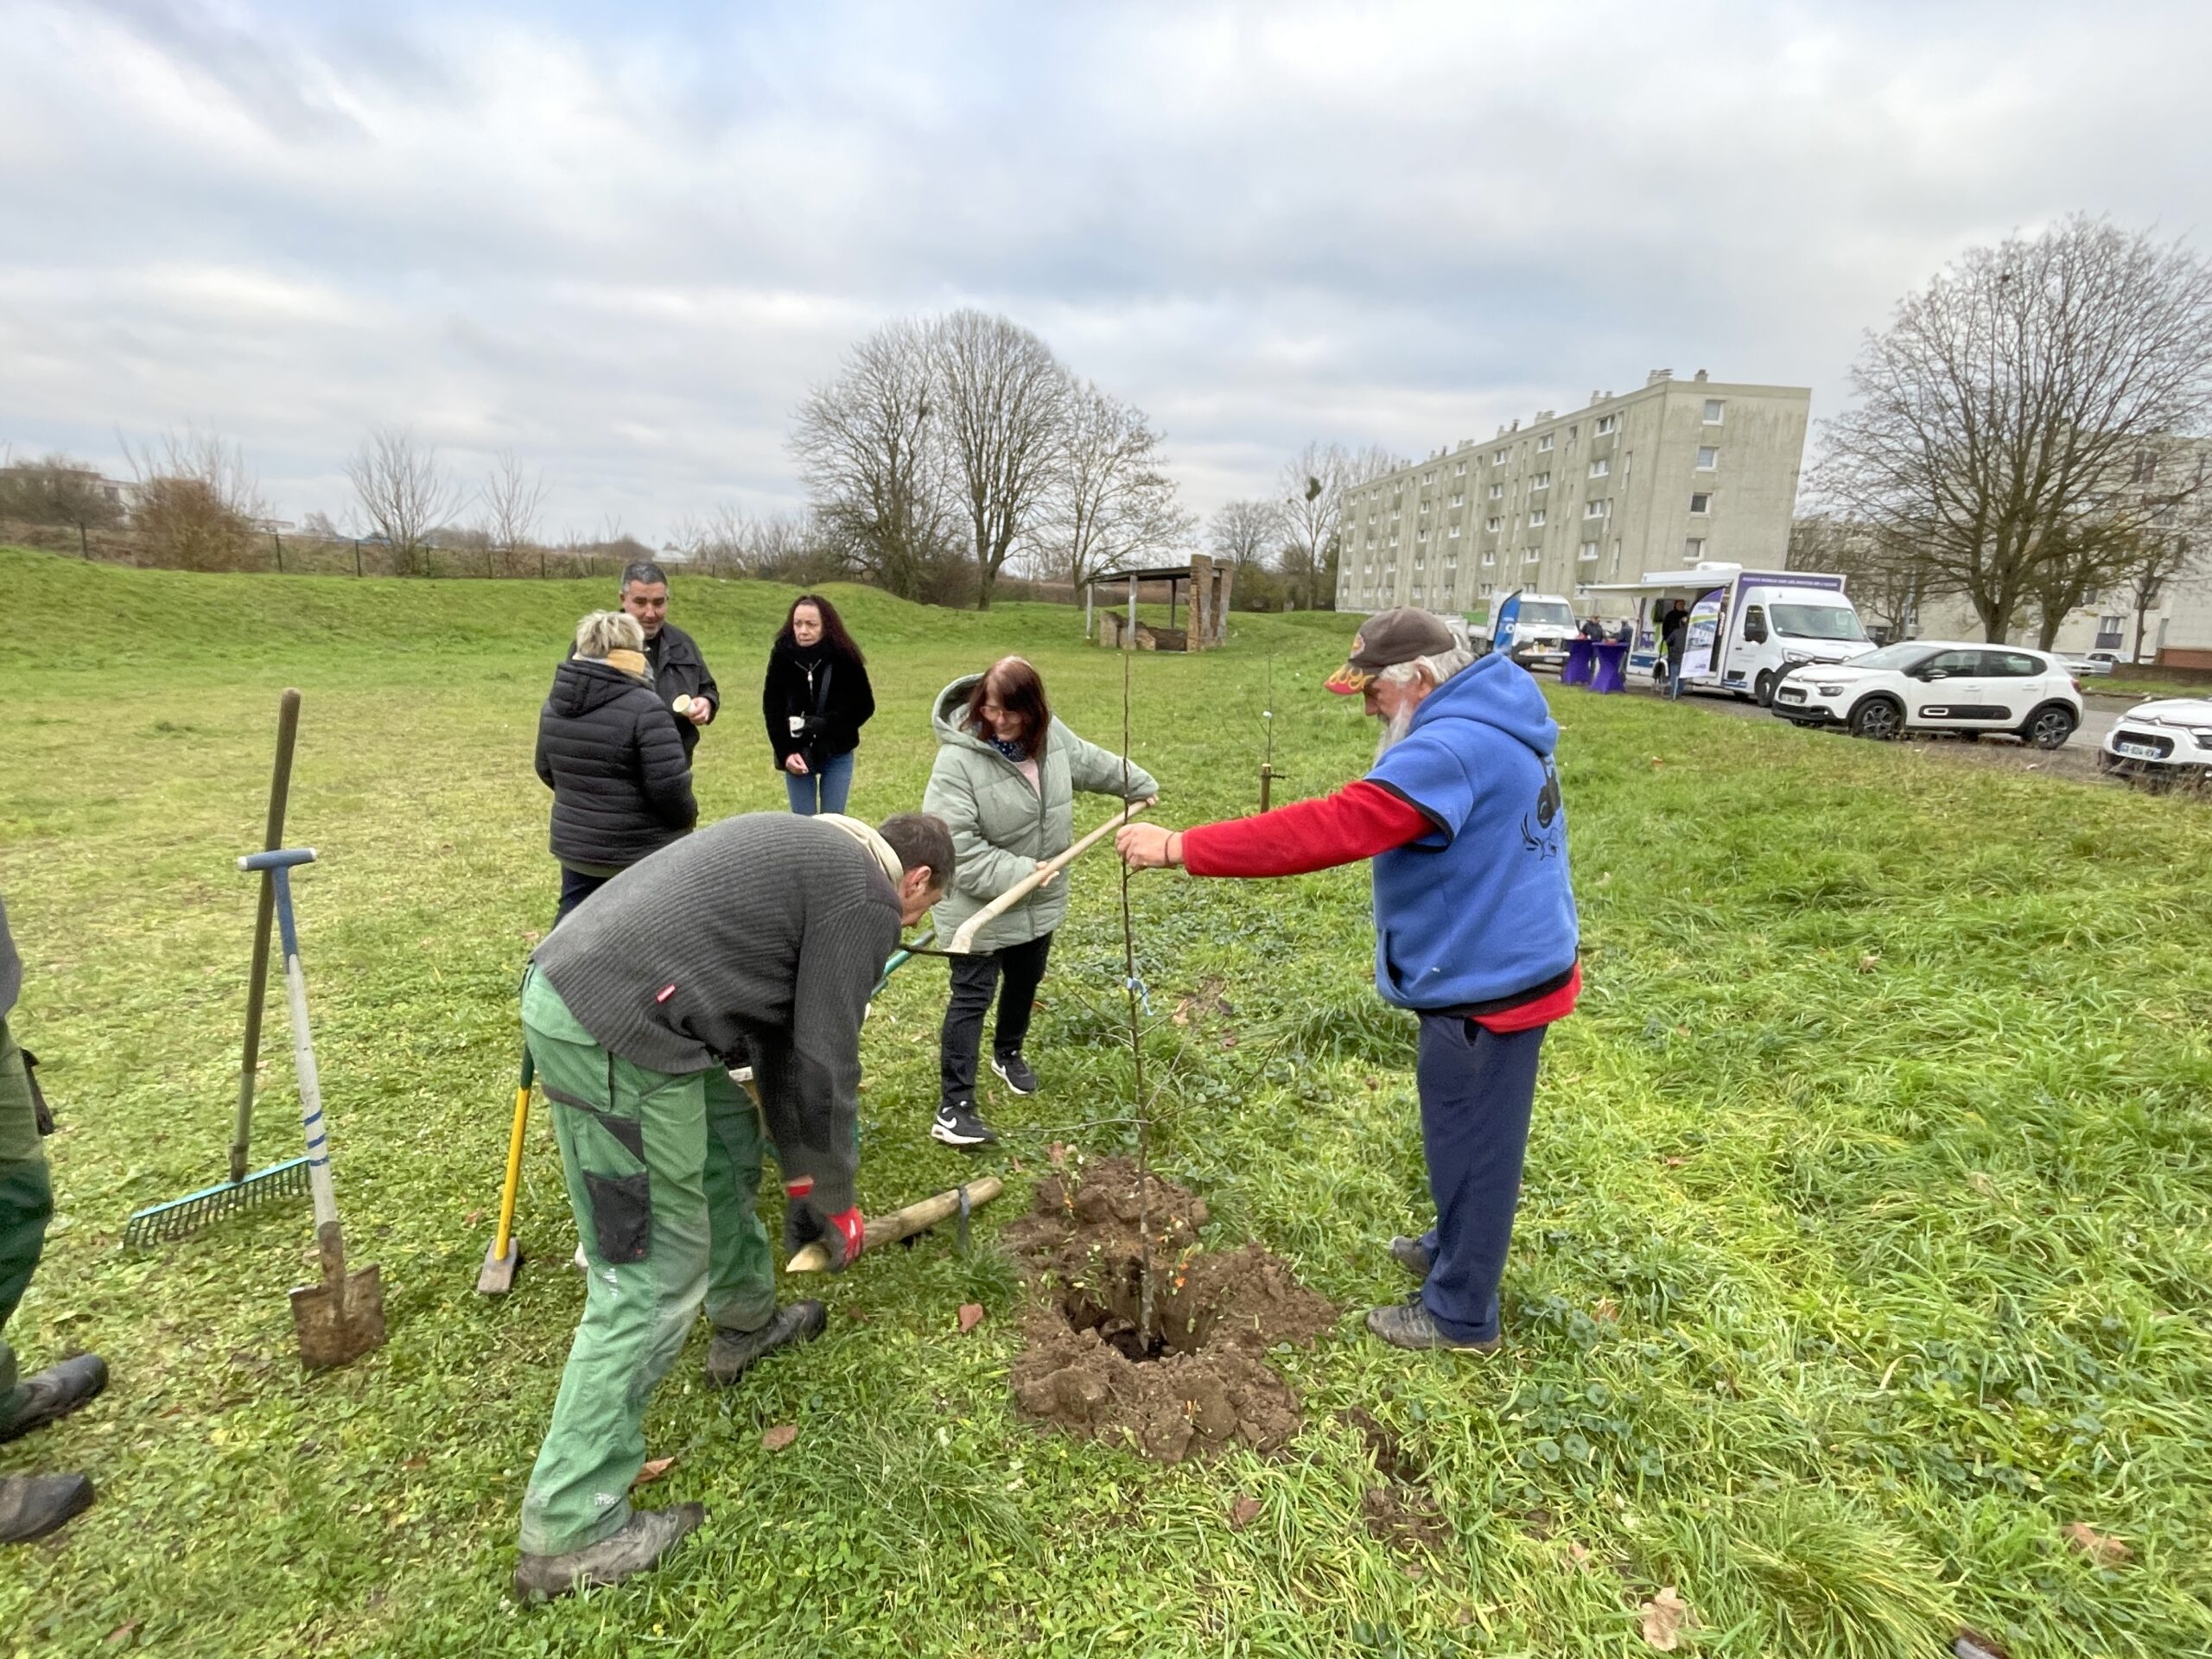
[
  {"x": 30, "y": 1505},
  {"x": 680, "y": 673},
  {"x": 1673, "y": 638},
  {"x": 764, "y": 934},
  {"x": 609, "y": 750}
]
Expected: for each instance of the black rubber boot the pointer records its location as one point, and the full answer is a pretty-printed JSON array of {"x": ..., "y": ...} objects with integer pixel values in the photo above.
[
  {"x": 55, "y": 1393},
  {"x": 734, "y": 1352},
  {"x": 644, "y": 1538},
  {"x": 33, "y": 1505}
]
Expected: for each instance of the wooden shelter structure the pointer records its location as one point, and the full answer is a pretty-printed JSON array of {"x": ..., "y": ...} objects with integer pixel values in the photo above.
[{"x": 1207, "y": 607}]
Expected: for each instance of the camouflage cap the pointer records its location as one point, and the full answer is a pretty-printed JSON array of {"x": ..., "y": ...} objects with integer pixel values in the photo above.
[{"x": 1386, "y": 639}]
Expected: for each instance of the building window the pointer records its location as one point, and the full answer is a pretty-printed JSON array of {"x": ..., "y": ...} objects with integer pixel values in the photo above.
[
  {"x": 1458, "y": 497},
  {"x": 1713, "y": 411},
  {"x": 1498, "y": 457},
  {"x": 1700, "y": 502},
  {"x": 1494, "y": 524},
  {"x": 1596, "y": 509},
  {"x": 1455, "y": 532},
  {"x": 1693, "y": 549},
  {"x": 1606, "y": 424},
  {"x": 1544, "y": 442},
  {"x": 1496, "y": 492},
  {"x": 1542, "y": 481},
  {"x": 1589, "y": 549},
  {"x": 1489, "y": 558},
  {"x": 1529, "y": 556},
  {"x": 1708, "y": 458},
  {"x": 1487, "y": 588},
  {"x": 1459, "y": 470},
  {"x": 1535, "y": 517},
  {"x": 1571, "y": 432},
  {"x": 1616, "y": 555},
  {"x": 1422, "y": 535},
  {"x": 1600, "y": 467}
]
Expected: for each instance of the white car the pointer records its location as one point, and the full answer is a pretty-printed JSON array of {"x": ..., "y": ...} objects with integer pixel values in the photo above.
[
  {"x": 2166, "y": 737},
  {"x": 2096, "y": 663},
  {"x": 1937, "y": 685}
]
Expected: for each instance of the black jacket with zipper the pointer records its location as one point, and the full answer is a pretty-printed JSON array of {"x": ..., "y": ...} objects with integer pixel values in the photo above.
[
  {"x": 680, "y": 671},
  {"x": 611, "y": 753},
  {"x": 826, "y": 691}
]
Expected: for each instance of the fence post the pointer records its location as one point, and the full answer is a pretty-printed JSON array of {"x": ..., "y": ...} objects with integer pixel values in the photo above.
[
  {"x": 357, "y": 555},
  {"x": 84, "y": 547},
  {"x": 541, "y": 564},
  {"x": 279, "y": 540}
]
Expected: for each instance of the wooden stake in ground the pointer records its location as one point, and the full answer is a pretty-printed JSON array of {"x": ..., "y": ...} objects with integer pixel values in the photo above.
[
  {"x": 902, "y": 1224},
  {"x": 1136, "y": 1058}
]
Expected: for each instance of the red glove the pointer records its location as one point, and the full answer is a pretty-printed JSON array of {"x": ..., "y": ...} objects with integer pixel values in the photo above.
[{"x": 843, "y": 1234}]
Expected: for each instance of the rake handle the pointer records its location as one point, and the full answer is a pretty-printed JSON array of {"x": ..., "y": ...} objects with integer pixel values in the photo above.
[
  {"x": 280, "y": 791},
  {"x": 963, "y": 941}
]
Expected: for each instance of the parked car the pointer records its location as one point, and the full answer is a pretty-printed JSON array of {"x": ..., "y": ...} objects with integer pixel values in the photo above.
[
  {"x": 1937, "y": 685},
  {"x": 2169, "y": 737},
  {"x": 2095, "y": 662}
]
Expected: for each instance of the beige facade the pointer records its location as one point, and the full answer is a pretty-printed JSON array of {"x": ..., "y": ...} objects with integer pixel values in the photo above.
[{"x": 1664, "y": 476}]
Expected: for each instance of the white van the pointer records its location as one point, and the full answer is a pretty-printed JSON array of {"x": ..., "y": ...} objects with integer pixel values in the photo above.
[
  {"x": 1532, "y": 628},
  {"x": 1747, "y": 628}
]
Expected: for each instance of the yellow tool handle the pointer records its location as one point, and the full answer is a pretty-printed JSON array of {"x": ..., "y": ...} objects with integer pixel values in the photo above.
[{"x": 514, "y": 1164}]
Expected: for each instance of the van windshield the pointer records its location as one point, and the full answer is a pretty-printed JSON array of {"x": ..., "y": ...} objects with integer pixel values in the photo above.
[
  {"x": 1545, "y": 613},
  {"x": 1817, "y": 622}
]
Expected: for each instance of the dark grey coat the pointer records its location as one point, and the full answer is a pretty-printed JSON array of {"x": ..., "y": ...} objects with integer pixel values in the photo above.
[{"x": 608, "y": 748}]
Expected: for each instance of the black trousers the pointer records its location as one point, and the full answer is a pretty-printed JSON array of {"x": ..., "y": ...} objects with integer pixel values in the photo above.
[
  {"x": 974, "y": 979},
  {"x": 575, "y": 887}
]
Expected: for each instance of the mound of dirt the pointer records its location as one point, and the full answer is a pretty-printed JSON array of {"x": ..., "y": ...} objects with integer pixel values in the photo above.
[{"x": 1191, "y": 1380}]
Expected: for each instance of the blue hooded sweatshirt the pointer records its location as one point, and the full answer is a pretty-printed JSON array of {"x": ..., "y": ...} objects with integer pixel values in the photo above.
[{"x": 1479, "y": 911}]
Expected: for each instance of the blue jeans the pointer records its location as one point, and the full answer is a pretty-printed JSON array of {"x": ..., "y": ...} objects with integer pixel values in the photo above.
[
  {"x": 1674, "y": 677},
  {"x": 1477, "y": 1089},
  {"x": 833, "y": 779}
]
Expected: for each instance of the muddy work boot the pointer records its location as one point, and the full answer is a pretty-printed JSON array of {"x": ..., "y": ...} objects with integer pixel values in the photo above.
[
  {"x": 734, "y": 1352},
  {"x": 648, "y": 1535},
  {"x": 1412, "y": 1254},
  {"x": 33, "y": 1505},
  {"x": 53, "y": 1393},
  {"x": 1408, "y": 1325}
]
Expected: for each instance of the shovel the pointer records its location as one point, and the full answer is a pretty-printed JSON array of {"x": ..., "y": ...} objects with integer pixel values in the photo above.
[{"x": 342, "y": 1318}]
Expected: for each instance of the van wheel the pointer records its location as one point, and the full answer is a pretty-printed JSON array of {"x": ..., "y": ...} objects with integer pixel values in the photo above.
[
  {"x": 2049, "y": 726},
  {"x": 1880, "y": 718},
  {"x": 1763, "y": 689}
]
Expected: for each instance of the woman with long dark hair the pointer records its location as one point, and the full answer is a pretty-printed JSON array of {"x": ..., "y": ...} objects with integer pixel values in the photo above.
[
  {"x": 1004, "y": 783},
  {"x": 815, "y": 701}
]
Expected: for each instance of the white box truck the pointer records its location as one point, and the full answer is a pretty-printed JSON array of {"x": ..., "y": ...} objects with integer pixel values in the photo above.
[{"x": 1747, "y": 628}]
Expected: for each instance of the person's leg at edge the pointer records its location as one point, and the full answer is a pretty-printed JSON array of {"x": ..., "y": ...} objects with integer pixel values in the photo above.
[
  {"x": 836, "y": 781},
  {"x": 1477, "y": 1089},
  {"x": 741, "y": 1271},
  {"x": 801, "y": 792},
  {"x": 577, "y": 886},
  {"x": 973, "y": 978},
  {"x": 26, "y": 1206},
  {"x": 1025, "y": 972},
  {"x": 633, "y": 1155}
]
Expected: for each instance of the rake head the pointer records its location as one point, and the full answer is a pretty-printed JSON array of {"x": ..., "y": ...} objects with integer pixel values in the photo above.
[{"x": 214, "y": 1204}]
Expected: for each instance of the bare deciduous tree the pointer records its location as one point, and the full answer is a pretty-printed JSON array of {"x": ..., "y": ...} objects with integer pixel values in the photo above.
[
  {"x": 1112, "y": 504},
  {"x": 1245, "y": 532},
  {"x": 1313, "y": 484},
  {"x": 59, "y": 490},
  {"x": 196, "y": 499},
  {"x": 1002, "y": 398},
  {"x": 402, "y": 493},
  {"x": 2001, "y": 415},
  {"x": 513, "y": 501},
  {"x": 867, "y": 448},
  {"x": 1885, "y": 578}
]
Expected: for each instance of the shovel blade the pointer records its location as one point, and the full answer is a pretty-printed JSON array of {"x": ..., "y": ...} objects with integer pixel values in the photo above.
[
  {"x": 335, "y": 1330},
  {"x": 498, "y": 1277}
]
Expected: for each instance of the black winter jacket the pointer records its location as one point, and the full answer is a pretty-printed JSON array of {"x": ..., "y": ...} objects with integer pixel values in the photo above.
[
  {"x": 609, "y": 750},
  {"x": 826, "y": 691},
  {"x": 680, "y": 671}
]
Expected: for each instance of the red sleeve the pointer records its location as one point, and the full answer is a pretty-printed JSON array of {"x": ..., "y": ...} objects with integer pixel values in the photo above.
[{"x": 1358, "y": 821}]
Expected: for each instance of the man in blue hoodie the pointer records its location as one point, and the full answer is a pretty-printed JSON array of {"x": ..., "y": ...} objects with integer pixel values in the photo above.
[{"x": 1475, "y": 930}]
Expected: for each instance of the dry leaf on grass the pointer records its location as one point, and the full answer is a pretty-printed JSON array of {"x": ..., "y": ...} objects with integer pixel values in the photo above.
[
  {"x": 122, "y": 1632},
  {"x": 1666, "y": 1617},
  {"x": 1972, "y": 1645},
  {"x": 472, "y": 1218},
  {"x": 654, "y": 1469},
  {"x": 1869, "y": 962},
  {"x": 1243, "y": 1513},
  {"x": 971, "y": 1315},
  {"x": 2099, "y": 1547},
  {"x": 780, "y": 1436},
  {"x": 1057, "y": 1154},
  {"x": 1578, "y": 1555}
]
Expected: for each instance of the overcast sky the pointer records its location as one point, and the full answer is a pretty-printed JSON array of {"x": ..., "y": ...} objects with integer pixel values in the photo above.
[{"x": 625, "y": 240}]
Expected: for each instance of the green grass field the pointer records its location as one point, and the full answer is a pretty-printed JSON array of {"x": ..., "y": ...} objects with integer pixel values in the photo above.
[{"x": 1865, "y": 1246}]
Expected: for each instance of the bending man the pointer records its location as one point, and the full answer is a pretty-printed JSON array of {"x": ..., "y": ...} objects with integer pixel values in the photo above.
[
  {"x": 760, "y": 939},
  {"x": 1475, "y": 930}
]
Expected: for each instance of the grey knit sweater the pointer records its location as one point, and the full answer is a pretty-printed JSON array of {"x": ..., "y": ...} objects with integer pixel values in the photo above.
[
  {"x": 11, "y": 967},
  {"x": 757, "y": 939}
]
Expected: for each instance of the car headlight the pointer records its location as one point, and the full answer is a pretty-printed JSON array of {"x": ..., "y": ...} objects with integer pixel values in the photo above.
[
  {"x": 2203, "y": 735},
  {"x": 1830, "y": 690}
]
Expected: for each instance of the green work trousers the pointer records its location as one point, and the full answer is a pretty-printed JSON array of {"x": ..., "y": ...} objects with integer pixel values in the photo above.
[
  {"x": 663, "y": 1170},
  {"x": 26, "y": 1203}
]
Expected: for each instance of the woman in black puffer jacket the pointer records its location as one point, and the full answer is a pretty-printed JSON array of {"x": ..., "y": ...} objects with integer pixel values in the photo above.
[
  {"x": 815, "y": 700},
  {"x": 608, "y": 749}
]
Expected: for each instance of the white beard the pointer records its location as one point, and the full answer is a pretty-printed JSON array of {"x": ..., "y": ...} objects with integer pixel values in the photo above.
[{"x": 1395, "y": 730}]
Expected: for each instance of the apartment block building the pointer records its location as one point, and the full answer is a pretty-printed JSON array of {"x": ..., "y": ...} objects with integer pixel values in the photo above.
[{"x": 1676, "y": 472}]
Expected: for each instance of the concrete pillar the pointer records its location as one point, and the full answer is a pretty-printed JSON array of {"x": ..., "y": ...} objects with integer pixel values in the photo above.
[
  {"x": 1225, "y": 576},
  {"x": 1201, "y": 601}
]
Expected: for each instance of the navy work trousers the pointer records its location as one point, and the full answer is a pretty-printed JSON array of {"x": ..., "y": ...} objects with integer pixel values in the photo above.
[{"x": 1476, "y": 1088}]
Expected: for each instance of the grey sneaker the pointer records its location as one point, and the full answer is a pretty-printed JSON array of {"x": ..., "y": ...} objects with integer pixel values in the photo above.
[
  {"x": 1014, "y": 1072},
  {"x": 53, "y": 1393},
  {"x": 733, "y": 1351},
  {"x": 1413, "y": 1256},
  {"x": 1408, "y": 1325},
  {"x": 959, "y": 1124},
  {"x": 33, "y": 1505},
  {"x": 648, "y": 1535}
]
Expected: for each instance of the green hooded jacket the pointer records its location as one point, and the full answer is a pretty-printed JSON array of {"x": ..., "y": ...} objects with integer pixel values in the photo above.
[{"x": 1001, "y": 827}]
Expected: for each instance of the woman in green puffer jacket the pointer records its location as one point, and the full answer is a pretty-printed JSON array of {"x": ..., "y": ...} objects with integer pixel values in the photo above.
[{"x": 1005, "y": 782}]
